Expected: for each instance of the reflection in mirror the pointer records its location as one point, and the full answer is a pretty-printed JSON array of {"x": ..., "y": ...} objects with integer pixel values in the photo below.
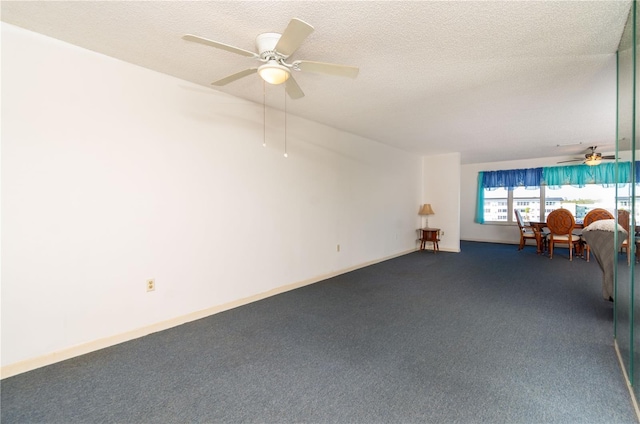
[
  {"x": 628, "y": 136},
  {"x": 625, "y": 298}
]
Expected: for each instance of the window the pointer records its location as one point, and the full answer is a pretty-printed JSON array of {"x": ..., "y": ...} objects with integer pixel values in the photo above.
[
  {"x": 528, "y": 201},
  {"x": 581, "y": 200},
  {"x": 495, "y": 188},
  {"x": 495, "y": 205}
]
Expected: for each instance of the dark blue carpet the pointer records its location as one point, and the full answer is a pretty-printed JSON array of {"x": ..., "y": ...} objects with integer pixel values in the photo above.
[{"x": 488, "y": 335}]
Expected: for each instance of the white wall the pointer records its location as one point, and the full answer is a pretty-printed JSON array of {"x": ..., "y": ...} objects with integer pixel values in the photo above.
[
  {"x": 113, "y": 174},
  {"x": 441, "y": 182}
]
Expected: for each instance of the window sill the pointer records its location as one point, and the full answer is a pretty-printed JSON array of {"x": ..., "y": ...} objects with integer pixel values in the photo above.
[{"x": 500, "y": 223}]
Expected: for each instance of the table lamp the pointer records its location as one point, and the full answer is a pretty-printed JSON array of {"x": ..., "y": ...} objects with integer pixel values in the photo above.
[{"x": 426, "y": 210}]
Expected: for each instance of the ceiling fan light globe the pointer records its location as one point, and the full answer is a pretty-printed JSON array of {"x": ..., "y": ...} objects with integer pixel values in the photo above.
[
  {"x": 593, "y": 161},
  {"x": 273, "y": 73}
]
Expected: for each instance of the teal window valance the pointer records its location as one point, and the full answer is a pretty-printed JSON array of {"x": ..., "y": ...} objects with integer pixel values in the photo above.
[
  {"x": 554, "y": 176},
  {"x": 530, "y": 177},
  {"x": 581, "y": 175}
]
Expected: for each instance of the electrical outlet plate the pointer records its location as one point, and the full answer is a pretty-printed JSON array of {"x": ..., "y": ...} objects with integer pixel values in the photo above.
[{"x": 151, "y": 285}]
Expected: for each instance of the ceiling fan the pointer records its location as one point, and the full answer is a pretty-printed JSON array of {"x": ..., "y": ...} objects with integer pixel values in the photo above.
[
  {"x": 591, "y": 157},
  {"x": 273, "y": 50}
]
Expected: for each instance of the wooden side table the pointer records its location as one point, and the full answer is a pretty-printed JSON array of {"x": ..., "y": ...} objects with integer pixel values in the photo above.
[{"x": 430, "y": 235}]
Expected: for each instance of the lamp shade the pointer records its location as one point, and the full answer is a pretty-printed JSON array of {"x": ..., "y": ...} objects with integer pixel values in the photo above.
[
  {"x": 273, "y": 73},
  {"x": 426, "y": 210}
]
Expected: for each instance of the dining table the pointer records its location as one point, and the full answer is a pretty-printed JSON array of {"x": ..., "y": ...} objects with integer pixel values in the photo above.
[{"x": 538, "y": 229}]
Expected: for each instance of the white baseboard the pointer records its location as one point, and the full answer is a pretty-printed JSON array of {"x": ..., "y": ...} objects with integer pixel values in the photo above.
[
  {"x": 441, "y": 249},
  {"x": 494, "y": 241},
  {"x": 71, "y": 352}
]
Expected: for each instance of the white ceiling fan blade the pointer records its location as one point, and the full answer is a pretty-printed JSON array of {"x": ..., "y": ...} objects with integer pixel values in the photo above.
[
  {"x": 236, "y": 76},
  {"x": 327, "y": 68},
  {"x": 218, "y": 45},
  {"x": 293, "y": 36},
  {"x": 293, "y": 89}
]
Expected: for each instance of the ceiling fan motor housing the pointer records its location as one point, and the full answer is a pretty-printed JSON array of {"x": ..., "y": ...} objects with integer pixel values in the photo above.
[{"x": 266, "y": 44}]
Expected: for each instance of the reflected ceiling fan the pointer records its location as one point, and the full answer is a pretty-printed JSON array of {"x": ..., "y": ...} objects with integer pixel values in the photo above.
[
  {"x": 273, "y": 51},
  {"x": 591, "y": 157}
]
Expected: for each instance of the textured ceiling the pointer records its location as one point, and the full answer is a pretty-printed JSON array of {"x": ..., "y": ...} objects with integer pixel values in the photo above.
[{"x": 493, "y": 80}]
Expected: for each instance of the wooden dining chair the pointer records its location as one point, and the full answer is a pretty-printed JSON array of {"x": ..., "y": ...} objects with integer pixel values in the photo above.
[
  {"x": 592, "y": 216},
  {"x": 560, "y": 223},
  {"x": 623, "y": 221},
  {"x": 526, "y": 231}
]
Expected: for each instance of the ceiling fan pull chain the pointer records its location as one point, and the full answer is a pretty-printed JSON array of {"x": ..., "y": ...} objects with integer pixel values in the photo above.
[
  {"x": 264, "y": 115},
  {"x": 285, "y": 123}
]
